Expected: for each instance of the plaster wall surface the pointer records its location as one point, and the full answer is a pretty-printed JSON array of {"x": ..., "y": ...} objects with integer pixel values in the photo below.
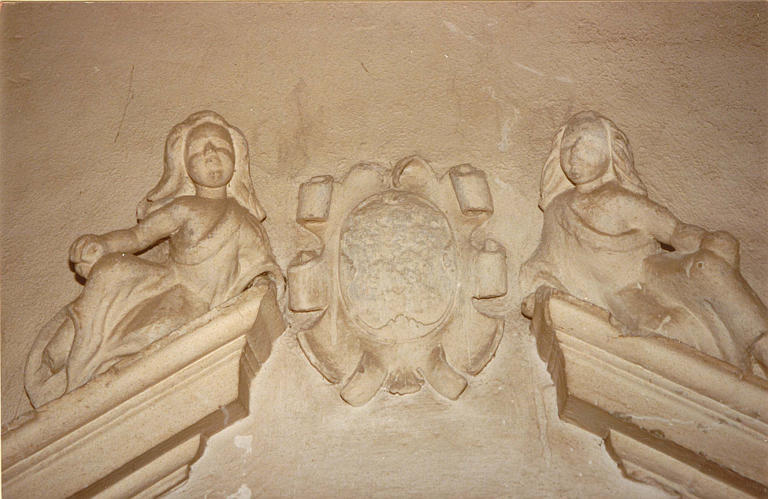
[{"x": 90, "y": 92}]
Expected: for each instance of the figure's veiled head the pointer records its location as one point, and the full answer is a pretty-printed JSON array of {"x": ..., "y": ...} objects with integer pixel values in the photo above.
[
  {"x": 585, "y": 153},
  {"x": 589, "y": 148},
  {"x": 203, "y": 149},
  {"x": 210, "y": 155}
]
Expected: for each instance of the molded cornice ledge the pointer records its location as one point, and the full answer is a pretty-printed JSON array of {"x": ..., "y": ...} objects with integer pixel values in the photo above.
[
  {"x": 135, "y": 429},
  {"x": 670, "y": 415}
]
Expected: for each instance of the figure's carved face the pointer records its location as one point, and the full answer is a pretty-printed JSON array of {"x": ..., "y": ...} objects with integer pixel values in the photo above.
[
  {"x": 210, "y": 156},
  {"x": 584, "y": 152}
]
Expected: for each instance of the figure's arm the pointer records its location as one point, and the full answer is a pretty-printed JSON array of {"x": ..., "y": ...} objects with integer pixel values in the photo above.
[
  {"x": 664, "y": 226},
  {"x": 685, "y": 238},
  {"x": 759, "y": 350},
  {"x": 158, "y": 225},
  {"x": 87, "y": 249},
  {"x": 534, "y": 273}
]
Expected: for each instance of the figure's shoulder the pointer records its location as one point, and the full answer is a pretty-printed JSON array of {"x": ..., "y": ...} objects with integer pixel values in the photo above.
[
  {"x": 558, "y": 202},
  {"x": 614, "y": 193},
  {"x": 184, "y": 205},
  {"x": 238, "y": 210},
  {"x": 183, "y": 201},
  {"x": 180, "y": 206},
  {"x": 616, "y": 199},
  {"x": 244, "y": 215}
]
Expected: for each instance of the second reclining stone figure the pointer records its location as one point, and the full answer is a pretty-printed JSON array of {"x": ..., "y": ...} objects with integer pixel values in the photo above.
[{"x": 603, "y": 241}]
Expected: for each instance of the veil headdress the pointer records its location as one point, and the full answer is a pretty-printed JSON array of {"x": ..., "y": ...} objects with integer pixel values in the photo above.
[
  {"x": 175, "y": 181},
  {"x": 621, "y": 168}
]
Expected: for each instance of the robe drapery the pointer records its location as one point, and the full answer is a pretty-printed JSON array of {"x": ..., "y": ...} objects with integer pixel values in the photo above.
[
  {"x": 696, "y": 298},
  {"x": 129, "y": 302}
]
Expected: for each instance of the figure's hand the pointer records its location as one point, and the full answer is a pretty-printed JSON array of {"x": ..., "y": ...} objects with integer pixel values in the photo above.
[
  {"x": 85, "y": 252},
  {"x": 528, "y": 305},
  {"x": 723, "y": 245},
  {"x": 687, "y": 238}
]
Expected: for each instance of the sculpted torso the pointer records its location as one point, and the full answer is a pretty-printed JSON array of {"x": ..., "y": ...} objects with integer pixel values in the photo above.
[
  {"x": 186, "y": 220},
  {"x": 196, "y": 218},
  {"x": 611, "y": 210}
]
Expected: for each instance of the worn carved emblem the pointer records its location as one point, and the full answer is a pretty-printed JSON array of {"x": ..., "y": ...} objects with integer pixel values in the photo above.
[{"x": 390, "y": 296}]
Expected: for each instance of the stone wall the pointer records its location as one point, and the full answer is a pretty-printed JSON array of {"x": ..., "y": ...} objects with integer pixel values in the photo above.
[{"x": 90, "y": 92}]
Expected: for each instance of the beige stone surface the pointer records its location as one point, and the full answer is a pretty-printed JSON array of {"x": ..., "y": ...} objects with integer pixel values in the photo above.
[
  {"x": 605, "y": 241},
  {"x": 89, "y": 92},
  {"x": 201, "y": 227},
  {"x": 401, "y": 290},
  {"x": 694, "y": 418},
  {"x": 138, "y": 426}
]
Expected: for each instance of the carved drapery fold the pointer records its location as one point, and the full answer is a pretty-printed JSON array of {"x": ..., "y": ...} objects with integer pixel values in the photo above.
[
  {"x": 671, "y": 416},
  {"x": 148, "y": 417}
]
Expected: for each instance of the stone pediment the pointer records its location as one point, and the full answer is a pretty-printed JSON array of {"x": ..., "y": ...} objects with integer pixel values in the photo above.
[
  {"x": 148, "y": 417},
  {"x": 670, "y": 415}
]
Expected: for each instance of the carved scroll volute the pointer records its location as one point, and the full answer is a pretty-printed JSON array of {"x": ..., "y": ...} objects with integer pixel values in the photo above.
[
  {"x": 386, "y": 299},
  {"x": 308, "y": 271},
  {"x": 491, "y": 270},
  {"x": 309, "y": 289},
  {"x": 472, "y": 191},
  {"x": 315, "y": 199}
]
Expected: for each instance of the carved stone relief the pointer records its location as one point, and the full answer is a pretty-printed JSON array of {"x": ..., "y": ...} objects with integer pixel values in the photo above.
[
  {"x": 602, "y": 242},
  {"x": 158, "y": 351},
  {"x": 653, "y": 338},
  {"x": 670, "y": 416},
  {"x": 206, "y": 207},
  {"x": 389, "y": 298},
  {"x": 135, "y": 429},
  {"x": 648, "y": 334}
]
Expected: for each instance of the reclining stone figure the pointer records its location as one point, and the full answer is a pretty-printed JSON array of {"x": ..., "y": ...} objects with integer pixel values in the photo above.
[
  {"x": 604, "y": 241},
  {"x": 206, "y": 207}
]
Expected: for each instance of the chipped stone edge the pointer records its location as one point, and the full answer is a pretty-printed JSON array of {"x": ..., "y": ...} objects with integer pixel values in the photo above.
[
  {"x": 149, "y": 416},
  {"x": 670, "y": 416}
]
